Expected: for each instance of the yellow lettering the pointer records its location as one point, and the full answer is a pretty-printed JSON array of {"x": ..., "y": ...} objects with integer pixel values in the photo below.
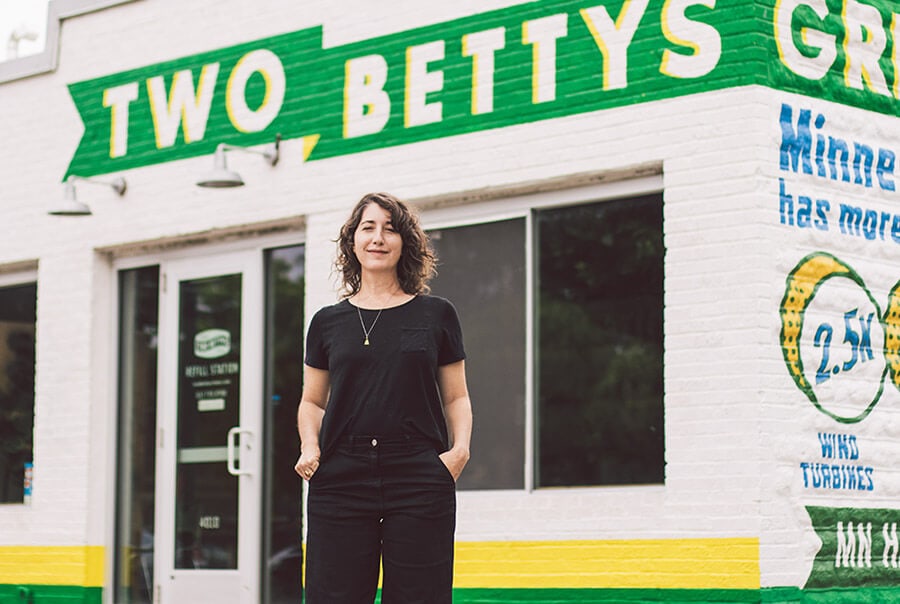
[
  {"x": 419, "y": 82},
  {"x": 542, "y": 34},
  {"x": 811, "y": 67},
  {"x": 682, "y": 31},
  {"x": 267, "y": 64},
  {"x": 864, "y": 43},
  {"x": 367, "y": 106},
  {"x": 182, "y": 107},
  {"x": 614, "y": 37},
  {"x": 895, "y": 59},
  {"x": 481, "y": 47},
  {"x": 118, "y": 99}
]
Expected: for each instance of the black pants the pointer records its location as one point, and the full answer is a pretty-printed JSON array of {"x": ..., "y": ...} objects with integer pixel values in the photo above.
[{"x": 376, "y": 501}]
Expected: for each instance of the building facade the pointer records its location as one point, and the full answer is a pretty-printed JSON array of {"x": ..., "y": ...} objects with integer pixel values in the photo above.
[{"x": 668, "y": 227}]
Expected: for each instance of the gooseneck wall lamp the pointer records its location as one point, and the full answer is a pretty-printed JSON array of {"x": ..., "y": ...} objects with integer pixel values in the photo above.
[
  {"x": 70, "y": 206},
  {"x": 222, "y": 177}
]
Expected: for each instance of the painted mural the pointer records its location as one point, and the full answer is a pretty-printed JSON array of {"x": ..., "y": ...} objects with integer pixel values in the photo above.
[{"x": 840, "y": 338}]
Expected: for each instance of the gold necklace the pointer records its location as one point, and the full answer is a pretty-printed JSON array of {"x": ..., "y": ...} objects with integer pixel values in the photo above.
[
  {"x": 366, "y": 332},
  {"x": 362, "y": 323}
]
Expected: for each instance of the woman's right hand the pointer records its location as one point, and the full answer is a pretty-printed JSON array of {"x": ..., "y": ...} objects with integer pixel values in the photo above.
[{"x": 308, "y": 463}]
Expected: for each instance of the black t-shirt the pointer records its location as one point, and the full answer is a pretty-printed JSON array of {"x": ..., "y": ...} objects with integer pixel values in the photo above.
[{"x": 389, "y": 388}]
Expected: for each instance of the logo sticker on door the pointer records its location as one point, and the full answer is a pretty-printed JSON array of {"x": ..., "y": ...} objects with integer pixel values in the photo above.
[{"x": 212, "y": 343}]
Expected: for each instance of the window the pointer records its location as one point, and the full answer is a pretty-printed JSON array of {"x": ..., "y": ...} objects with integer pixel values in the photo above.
[
  {"x": 17, "y": 333},
  {"x": 285, "y": 285},
  {"x": 600, "y": 343},
  {"x": 24, "y": 28},
  {"x": 591, "y": 374},
  {"x": 136, "y": 451},
  {"x": 487, "y": 262}
]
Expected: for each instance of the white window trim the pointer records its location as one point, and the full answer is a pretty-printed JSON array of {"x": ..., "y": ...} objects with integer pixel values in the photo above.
[
  {"x": 522, "y": 206},
  {"x": 516, "y": 206},
  {"x": 18, "y": 278}
]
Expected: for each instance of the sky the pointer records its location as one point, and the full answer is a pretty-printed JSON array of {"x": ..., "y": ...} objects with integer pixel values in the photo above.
[{"x": 23, "y": 16}]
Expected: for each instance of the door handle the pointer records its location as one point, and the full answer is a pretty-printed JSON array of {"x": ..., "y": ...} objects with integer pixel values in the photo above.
[{"x": 232, "y": 449}]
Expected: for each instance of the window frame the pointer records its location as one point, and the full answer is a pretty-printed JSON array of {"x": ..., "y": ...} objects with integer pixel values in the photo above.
[
  {"x": 524, "y": 205},
  {"x": 13, "y": 279}
]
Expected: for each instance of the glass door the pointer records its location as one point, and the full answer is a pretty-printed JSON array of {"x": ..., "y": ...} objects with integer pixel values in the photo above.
[{"x": 209, "y": 445}]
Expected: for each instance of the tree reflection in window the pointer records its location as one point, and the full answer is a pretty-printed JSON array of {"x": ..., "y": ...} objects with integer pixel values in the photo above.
[{"x": 600, "y": 343}]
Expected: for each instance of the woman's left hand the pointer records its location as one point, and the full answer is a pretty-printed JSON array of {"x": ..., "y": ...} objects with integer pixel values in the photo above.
[{"x": 455, "y": 459}]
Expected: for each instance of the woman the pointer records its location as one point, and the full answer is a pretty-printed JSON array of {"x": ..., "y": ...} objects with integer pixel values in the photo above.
[{"x": 384, "y": 397}]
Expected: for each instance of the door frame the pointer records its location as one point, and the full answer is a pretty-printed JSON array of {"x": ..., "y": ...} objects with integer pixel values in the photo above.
[
  {"x": 160, "y": 253},
  {"x": 246, "y": 577}
]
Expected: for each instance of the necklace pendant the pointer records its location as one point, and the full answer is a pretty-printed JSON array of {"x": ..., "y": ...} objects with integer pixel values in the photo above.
[{"x": 366, "y": 343}]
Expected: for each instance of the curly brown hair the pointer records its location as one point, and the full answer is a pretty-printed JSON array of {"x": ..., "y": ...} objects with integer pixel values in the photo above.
[{"x": 417, "y": 258}]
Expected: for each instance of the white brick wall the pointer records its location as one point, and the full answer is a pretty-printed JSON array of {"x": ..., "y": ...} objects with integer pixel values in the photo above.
[
  {"x": 707, "y": 145},
  {"x": 732, "y": 413}
]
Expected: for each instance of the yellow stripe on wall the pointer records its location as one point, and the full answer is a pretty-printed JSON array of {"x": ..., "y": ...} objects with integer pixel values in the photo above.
[
  {"x": 651, "y": 563},
  {"x": 52, "y": 565},
  {"x": 648, "y": 563}
]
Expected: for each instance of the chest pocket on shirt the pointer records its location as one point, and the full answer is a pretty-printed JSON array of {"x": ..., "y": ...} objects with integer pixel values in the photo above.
[{"x": 414, "y": 339}]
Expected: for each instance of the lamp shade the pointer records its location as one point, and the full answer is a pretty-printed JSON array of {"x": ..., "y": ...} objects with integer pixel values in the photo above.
[
  {"x": 70, "y": 206},
  {"x": 221, "y": 176}
]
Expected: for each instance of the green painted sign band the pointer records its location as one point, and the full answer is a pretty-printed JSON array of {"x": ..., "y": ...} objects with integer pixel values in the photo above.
[
  {"x": 860, "y": 547},
  {"x": 536, "y": 61}
]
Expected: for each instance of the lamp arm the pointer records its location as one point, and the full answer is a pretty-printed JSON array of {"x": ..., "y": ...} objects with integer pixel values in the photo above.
[
  {"x": 117, "y": 184},
  {"x": 271, "y": 154}
]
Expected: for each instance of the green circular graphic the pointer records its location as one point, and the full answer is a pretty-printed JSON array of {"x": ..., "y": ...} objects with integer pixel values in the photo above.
[{"x": 802, "y": 285}]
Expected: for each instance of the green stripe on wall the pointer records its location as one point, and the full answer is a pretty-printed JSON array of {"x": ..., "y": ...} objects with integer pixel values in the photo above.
[
  {"x": 775, "y": 595},
  {"x": 604, "y": 596},
  {"x": 64, "y": 594},
  {"x": 859, "y": 595},
  {"x": 49, "y": 594}
]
